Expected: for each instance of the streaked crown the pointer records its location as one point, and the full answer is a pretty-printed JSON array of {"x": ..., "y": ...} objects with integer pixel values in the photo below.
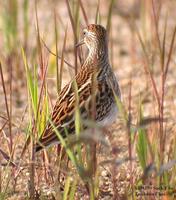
[
  {"x": 98, "y": 30},
  {"x": 95, "y": 36}
]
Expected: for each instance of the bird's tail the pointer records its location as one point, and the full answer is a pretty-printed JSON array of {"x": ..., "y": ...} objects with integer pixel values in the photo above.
[
  {"x": 38, "y": 147},
  {"x": 45, "y": 142}
]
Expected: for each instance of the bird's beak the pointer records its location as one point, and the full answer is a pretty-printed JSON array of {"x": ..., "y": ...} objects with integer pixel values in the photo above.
[{"x": 80, "y": 43}]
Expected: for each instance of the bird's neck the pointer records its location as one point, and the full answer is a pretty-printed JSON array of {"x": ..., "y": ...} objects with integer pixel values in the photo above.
[{"x": 97, "y": 57}]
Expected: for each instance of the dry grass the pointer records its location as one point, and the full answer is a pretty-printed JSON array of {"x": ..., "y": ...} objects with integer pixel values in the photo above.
[{"x": 38, "y": 56}]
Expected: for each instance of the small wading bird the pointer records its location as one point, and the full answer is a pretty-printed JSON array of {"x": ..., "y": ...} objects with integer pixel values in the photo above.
[{"x": 96, "y": 86}]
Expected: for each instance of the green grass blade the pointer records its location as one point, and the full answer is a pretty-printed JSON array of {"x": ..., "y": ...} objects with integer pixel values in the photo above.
[
  {"x": 31, "y": 84},
  {"x": 68, "y": 150},
  {"x": 142, "y": 149},
  {"x": 73, "y": 190},
  {"x": 97, "y": 16},
  {"x": 67, "y": 188},
  {"x": 44, "y": 113}
]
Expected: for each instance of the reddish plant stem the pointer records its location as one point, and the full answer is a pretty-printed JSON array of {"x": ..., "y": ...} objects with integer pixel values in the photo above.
[{"x": 7, "y": 108}]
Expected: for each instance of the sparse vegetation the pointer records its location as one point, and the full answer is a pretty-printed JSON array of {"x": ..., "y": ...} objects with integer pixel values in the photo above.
[{"x": 38, "y": 56}]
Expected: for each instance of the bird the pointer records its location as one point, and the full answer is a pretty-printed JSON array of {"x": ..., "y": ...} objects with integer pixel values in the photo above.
[{"x": 97, "y": 89}]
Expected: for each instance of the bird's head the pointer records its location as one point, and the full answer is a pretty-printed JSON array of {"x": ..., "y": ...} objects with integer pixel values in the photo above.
[{"x": 95, "y": 37}]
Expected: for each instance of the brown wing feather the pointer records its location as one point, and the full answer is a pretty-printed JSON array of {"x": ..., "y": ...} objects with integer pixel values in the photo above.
[{"x": 63, "y": 112}]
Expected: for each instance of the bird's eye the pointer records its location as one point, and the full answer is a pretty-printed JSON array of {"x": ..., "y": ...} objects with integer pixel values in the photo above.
[{"x": 84, "y": 33}]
